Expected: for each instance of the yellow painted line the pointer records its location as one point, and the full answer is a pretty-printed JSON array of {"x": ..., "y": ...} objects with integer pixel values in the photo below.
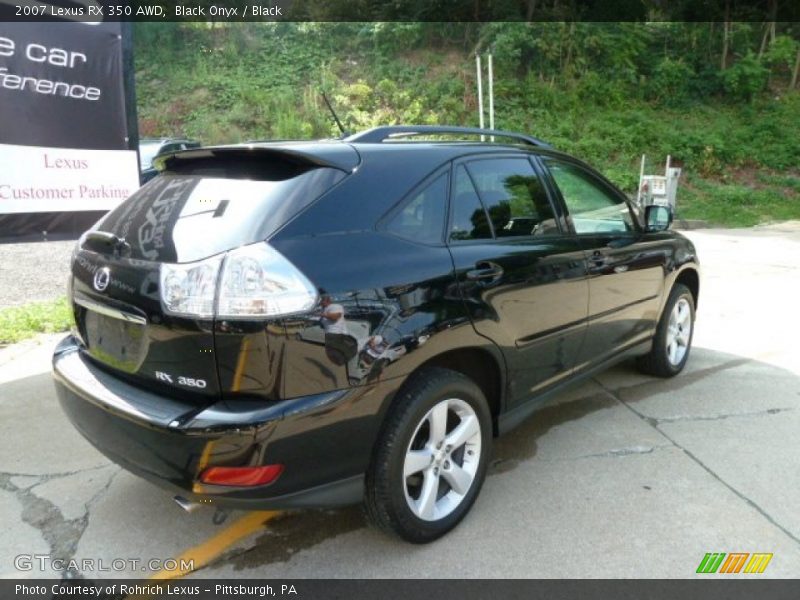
[
  {"x": 204, "y": 553},
  {"x": 197, "y": 487},
  {"x": 201, "y": 464},
  {"x": 240, "y": 363}
]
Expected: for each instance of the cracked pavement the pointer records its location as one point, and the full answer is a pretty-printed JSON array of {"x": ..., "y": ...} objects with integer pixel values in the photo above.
[{"x": 624, "y": 476}]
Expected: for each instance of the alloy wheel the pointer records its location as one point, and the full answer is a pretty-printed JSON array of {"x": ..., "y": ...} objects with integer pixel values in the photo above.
[
  {"x": 679, "y": 331},
  {"x": 442, "y": 459}
]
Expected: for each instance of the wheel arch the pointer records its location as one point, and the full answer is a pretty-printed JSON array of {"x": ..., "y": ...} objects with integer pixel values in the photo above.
[
  {"x": 691, "y": 279},
  {"x": 479, "y": 365}
]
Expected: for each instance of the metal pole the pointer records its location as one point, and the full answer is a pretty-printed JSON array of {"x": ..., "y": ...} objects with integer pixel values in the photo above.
[
  {"x": 491, "y": 95},
  {"x": 639, "y": 190},
  {"x": 480, "y": 90},
  {"x": 668, "y": 185},
  {"x": 129, "y": 88}
]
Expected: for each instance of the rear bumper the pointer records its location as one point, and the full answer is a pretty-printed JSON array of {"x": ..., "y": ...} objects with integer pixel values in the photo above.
[{"x": 324, "y": 441}]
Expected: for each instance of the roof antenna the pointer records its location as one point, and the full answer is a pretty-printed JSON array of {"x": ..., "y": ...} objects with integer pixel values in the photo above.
[{"x": 333, "y": 112}]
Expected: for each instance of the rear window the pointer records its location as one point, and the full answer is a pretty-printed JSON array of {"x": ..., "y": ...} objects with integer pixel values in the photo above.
[{"x": 192, "y": 213}]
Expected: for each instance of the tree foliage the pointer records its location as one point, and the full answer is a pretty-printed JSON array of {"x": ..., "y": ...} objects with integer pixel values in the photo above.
[{"x": 607, "y": 92}]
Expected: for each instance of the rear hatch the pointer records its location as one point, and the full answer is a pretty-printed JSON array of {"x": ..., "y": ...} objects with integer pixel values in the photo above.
[{"x": 206, "y": 202}]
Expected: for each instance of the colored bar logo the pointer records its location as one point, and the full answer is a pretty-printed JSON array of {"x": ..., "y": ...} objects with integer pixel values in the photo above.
[{"x": 736, "y": 562}]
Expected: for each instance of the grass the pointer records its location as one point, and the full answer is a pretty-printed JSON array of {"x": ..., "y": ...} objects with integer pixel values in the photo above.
[
  {"x": 21, "y": 322},
  {"x": 739, "y": 204}
]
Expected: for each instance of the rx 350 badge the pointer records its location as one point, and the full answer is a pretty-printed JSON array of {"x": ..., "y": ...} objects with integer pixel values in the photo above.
[{"x": 181, "y": 380}]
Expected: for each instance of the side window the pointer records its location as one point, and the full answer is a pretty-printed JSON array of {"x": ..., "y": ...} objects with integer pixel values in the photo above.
[
  {"x": 592, "y": 209},
  {"x": 514, "y": 197},
  {"x": 469, "y": 220},
  {"x": 421, "y": 219}
]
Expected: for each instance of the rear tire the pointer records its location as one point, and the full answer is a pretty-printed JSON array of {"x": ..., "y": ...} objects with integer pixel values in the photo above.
[
  {"x": 673, "y": 339},
  {"x": 431, "y": 457}
]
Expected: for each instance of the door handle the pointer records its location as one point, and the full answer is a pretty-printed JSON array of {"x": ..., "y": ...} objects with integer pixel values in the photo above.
[
  {"x": 485, "y": 272},
  {"x": 598, "y": 259}
]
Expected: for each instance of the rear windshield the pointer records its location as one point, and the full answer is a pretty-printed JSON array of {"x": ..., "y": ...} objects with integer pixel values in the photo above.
[{"x": 180, "y": 217}]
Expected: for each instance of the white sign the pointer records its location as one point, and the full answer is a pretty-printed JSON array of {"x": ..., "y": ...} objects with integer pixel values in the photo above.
[{"x": 34, "y": 179}]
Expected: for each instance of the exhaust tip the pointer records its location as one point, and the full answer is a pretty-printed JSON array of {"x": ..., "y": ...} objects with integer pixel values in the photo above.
[{"x": 185, "y": 504}]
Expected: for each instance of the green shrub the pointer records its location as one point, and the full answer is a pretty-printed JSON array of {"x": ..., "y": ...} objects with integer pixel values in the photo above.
[
  {"x": 745, "y": 78},
  {"x": 671, "y": 82}
]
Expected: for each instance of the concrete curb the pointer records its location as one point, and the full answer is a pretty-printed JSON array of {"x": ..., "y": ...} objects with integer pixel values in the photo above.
[{"x": 690, "y": 224}]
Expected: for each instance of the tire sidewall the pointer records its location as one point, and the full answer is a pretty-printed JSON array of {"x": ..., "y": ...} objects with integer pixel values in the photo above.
[{"x": 678, "y": 292}]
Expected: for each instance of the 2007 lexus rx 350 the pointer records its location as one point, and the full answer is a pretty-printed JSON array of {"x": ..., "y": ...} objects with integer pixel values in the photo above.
[{"x": 314, "y": 324}]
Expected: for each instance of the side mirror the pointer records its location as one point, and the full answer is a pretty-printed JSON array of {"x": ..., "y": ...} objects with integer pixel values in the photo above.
[{"x": 657, "y": 218}]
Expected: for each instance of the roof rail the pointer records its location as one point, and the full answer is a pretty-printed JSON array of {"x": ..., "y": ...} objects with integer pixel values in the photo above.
[{"x": 381, "y": 134}]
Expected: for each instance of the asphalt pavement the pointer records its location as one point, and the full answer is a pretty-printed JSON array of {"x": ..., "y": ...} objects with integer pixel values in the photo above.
[
  {"x": 625, "y": 476},
  {"x": 34, "y": 271}
]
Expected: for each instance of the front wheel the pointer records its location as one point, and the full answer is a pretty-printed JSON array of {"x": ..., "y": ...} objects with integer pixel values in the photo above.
[
  {"x": 431, "y": 458},
  {"x": 673, "y": 338}
]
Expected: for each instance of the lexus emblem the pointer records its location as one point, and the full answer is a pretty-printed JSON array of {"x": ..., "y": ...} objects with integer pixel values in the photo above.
[{"x": 101, "y": 279}]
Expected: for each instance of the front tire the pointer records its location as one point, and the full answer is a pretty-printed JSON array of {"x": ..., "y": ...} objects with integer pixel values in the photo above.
[
  {"x": 673, "y": 338},
  {"x": 431, "y": 458}
]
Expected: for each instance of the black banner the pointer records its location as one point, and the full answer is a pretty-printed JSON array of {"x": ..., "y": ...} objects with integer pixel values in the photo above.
[
  {"x": 61, "y": 85},
  {"x": 67, "y": 126},
  {"x": 744, "y": 588}
]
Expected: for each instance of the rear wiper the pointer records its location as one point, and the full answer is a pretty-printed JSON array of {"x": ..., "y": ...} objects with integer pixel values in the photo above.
[
  {"x": 106, "y": 243},
  {"x": 218, "y": 212}
]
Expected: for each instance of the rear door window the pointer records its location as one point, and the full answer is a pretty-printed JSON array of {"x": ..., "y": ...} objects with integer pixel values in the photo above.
[
  {"x": 469, "y": 220},
  {"x": 514, "y": 197}
]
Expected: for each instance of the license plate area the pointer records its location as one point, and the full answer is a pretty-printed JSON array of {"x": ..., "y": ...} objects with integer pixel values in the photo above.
[{"x": 119, "y": 343}]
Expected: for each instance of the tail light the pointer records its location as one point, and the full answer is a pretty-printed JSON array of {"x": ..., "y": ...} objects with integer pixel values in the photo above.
[
  {"x": 252, "y": 281},
  {"x": 189, "y": 289},
  {"x": 258, "y": 281},
  {"x": 241, "y": 476}
]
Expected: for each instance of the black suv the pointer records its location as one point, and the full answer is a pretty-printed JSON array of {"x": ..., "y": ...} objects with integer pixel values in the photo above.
[{"x": 311, "y": 324}]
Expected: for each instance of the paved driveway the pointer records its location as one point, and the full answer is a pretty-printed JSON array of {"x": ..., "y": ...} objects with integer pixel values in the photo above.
[{"x": 626, "y": 476}]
